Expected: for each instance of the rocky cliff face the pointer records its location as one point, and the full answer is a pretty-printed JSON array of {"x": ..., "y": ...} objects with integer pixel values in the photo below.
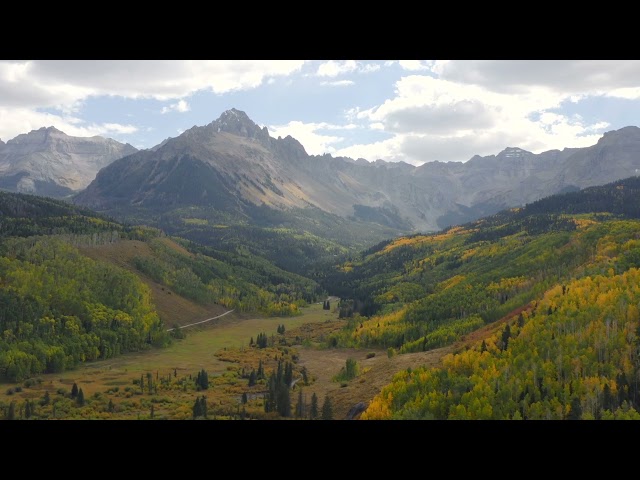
[
  {"x": 48, "y": 162},
  {"x": 232, "y": 162}
]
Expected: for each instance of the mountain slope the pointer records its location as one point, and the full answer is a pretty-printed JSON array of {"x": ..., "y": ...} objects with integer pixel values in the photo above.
[
  {"x": 562, "y": 273},
  {"x": 427, "y": 290},
  {"x": 48, "y": 162},
  {"x": 233, "y": 165}
]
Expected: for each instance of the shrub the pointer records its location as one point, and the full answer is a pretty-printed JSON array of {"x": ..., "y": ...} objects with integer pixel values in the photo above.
[
  {"x": 391, "y": 352},
  {"x": 349, "y": 371},
  {"x": 10, "y": 391},
  {"x": 371, "y": 354}
]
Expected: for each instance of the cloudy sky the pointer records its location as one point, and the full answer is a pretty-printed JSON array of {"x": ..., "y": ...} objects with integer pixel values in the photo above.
[{"x": 411, "y": 110}]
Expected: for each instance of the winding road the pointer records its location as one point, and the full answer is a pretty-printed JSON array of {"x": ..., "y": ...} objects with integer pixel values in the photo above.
[{"x": 203, "y": 321}]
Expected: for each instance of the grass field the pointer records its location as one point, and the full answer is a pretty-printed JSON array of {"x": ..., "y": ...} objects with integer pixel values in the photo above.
[
  {"x": 221, "y": 348},
  {"x": 184, "y": 357}
]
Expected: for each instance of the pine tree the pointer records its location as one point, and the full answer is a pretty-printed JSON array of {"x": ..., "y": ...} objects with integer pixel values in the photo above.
[
  {"x": 27, "y": 409},
  {"x": 576, "y": 410},
  {"x": 202, "y": 380},
  {"x": 197, "y": 409},
  {"x": 520, "y": 320},
  {"x": 300, "y": 405},
  {"x": 80, "y": 398},
  {"x": 252, "y": 378},
  {"x": 260, "y": 374},
  {"x": 284, "y": 401},
  {"x": 483, "y": 347},
  {"x": 251, "y": 342},
  {"x": 203, "y": 406},
  {"x": 506, "y": 334},
  {"x": 279, "y": 373},
  {"x": 314, "y": 413},
  {"x": 74, "y": 390},
  {"x": 110, "y": 406},
  {"x": 607, "y": 398},
  {"x": 152, "y": 412},
  {"x": 327, "y": 409},
  {"x": 305, "y": 378},
  {"x": 244, "y": 398},
  {"x": 149, "y": 382},
  {"x": 11, "y": 411},
  {"x": 288, "y": 374},
  {"x": 46, "y": 400}
]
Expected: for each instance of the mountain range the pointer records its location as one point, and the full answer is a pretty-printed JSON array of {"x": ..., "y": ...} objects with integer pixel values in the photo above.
[
  {"x": 51, "y": 163},
  {"x": 232, "y": 165}
]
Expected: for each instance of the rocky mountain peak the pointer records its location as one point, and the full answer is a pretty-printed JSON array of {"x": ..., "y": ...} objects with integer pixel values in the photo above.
[
  {"x": 42, "y": 135},
  {"x": 513, "y": 152},
  {"x": 238, "y": 122},
  {"x": 289, "y": 147},
  {"x": 622, "y": 135}
]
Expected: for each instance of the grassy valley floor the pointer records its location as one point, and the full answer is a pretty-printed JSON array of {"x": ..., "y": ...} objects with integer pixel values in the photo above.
[{"x": 221, "y": 347}]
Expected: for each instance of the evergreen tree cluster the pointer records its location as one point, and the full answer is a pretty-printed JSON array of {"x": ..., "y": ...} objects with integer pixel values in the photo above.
[
  {"x": 202, "y": 380},
  {"x": 278, "y": 397},
  {"x": 200, "y": 408},
  {"x": 261, "y": 340}
]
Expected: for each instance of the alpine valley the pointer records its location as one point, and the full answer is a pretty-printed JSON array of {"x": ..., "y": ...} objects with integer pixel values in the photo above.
[{"x": 227, "y": 274}]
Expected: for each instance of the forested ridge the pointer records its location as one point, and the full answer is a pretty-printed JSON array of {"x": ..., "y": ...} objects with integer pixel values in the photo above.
[
  {"x": 239, "y": 281},
  {"x": 59, "y": 308},
  {"x": 569, "y": 262},
  {"x": 427, "y": 290},
  {"x": 573, "y": 356}
]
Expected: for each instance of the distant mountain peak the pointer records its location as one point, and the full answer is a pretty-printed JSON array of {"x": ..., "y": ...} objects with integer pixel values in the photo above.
[
  {"x": 52, "y": 129},
  {"x": 624, "y": 133},
  {"x": 237, "y": 122},
  {"x": 513, "y": 152}
]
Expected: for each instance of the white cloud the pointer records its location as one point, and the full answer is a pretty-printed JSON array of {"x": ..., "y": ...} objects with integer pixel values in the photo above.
[
  {"x": 334, "y": 68},
  {"x": 413, "y": 65},
  {"x": 181, "y": 106},
  {"x": 389, "y": 150},
  {"x": 160, "y": 79},
  {"x": 437, "y": 119},
  {"x": 28, "y": 87},
  {"x": 114, "y": 128},
  {"x": 596, "y": 77},
  {"x": 370, "y": 67},
  {"x": 14, "y": 122},
  {"x": 339, "y": 83}
]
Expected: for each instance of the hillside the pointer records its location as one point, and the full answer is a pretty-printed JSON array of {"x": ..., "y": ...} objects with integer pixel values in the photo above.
[
  {"x": 69, "y": 276},
  {"x": 565, "y": 279}
]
